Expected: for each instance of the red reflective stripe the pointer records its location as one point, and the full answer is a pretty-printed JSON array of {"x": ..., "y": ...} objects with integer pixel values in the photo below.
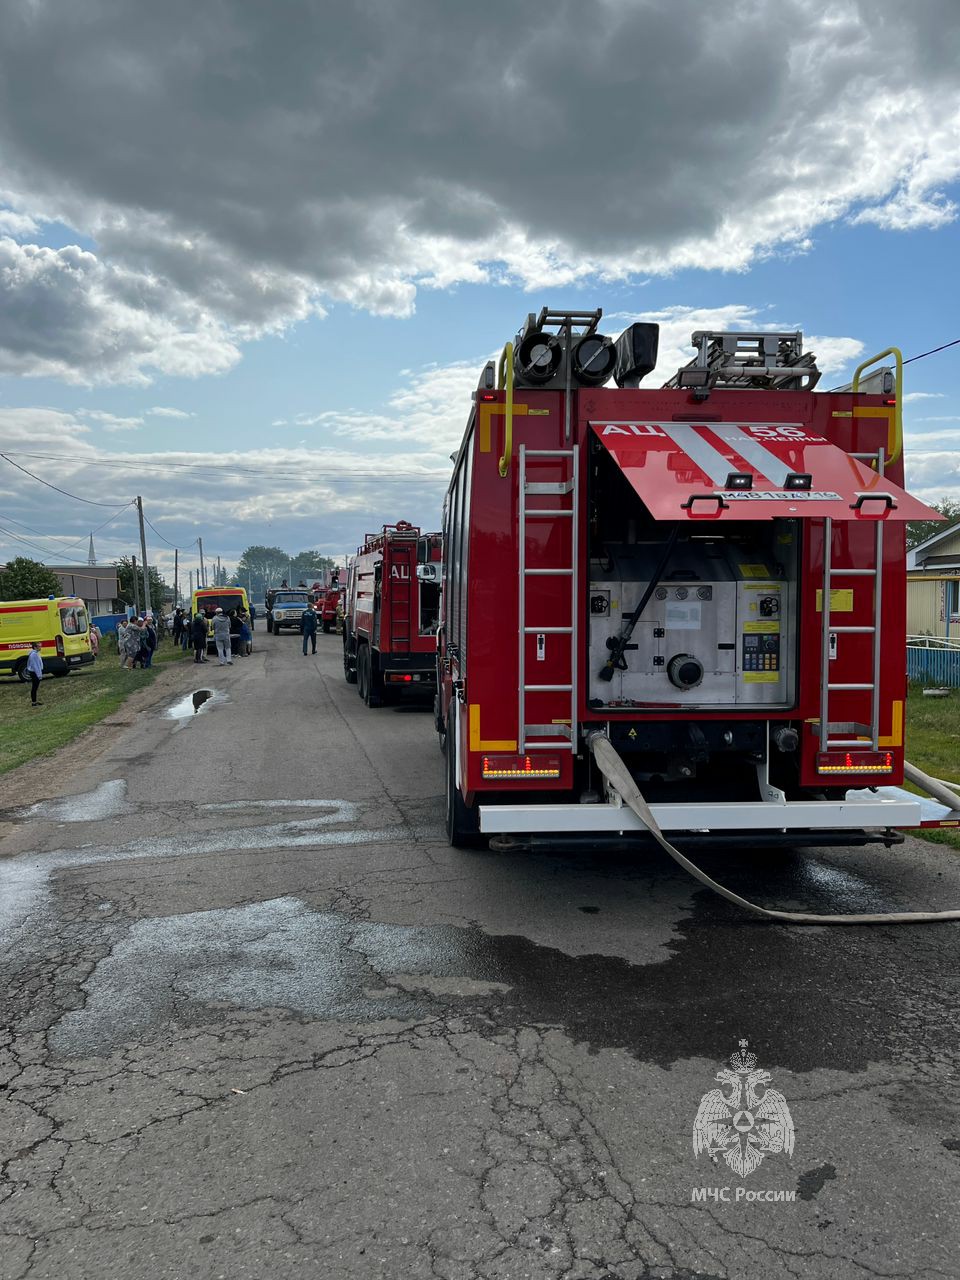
[
  {"x": 27, "y": 644},
  {"x": 25, "y": 608}
]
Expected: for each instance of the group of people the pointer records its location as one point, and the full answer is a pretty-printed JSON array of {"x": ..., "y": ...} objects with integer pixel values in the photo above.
[
  {"x": 232, "y": 634},
  {"x": 136, "y": 642}
]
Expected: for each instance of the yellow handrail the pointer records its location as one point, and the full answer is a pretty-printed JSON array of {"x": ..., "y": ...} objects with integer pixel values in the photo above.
[
  {"x": 897, "y": 444},
  {"x": 506, "y": 378}
]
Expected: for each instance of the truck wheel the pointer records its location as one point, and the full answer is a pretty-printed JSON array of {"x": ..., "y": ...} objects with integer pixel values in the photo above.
[
  {"x": 375, "y": 689},
  {"x": 20, "y": 670},
  {"x": 438, "y": 722},
  {"x": 349, "y": 667},
  {"x": 462, "y": 820}
]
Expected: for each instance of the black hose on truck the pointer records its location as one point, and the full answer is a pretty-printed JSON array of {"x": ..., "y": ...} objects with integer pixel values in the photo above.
[{"x": 618, "y": 775}]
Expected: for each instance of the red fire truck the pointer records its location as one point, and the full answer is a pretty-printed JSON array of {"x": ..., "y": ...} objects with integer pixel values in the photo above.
[
  {"x": 391, "y": 609},
  {"x": 709, "y": 577},
  {"x": 326, "y": 599}
]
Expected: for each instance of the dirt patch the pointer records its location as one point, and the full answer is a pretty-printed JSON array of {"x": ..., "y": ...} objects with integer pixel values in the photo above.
[{"x": 28, "y": 784}]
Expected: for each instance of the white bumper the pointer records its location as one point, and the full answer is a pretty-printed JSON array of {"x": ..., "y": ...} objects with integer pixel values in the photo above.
[{"x": 859, "y": 810}]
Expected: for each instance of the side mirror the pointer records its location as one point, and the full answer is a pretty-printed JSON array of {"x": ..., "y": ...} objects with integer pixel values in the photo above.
[{"x": 429, "y": 572}]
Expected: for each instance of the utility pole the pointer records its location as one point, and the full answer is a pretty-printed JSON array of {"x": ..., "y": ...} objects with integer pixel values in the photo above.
[
  {"x": 218, "y": 582},
  {"x": 191, "y": 587},
  {"x": 202, "y": 579},
  {"x": 143, "y": 553},
  {"x": 176, "y": 569},
  {"x": 136, "y": 587}
]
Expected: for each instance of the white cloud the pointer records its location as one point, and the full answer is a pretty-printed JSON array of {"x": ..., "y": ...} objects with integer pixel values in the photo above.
[
  {"x": 922, "y": 395},
  {"x": 158, "y": 411},
  {"x": 65, "y": 314},
  {"x": 110, "y": 421},
  {"x": 332, "y": 162}
]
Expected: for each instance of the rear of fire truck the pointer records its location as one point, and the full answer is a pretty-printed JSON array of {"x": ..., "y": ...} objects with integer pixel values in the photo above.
[
  {"x": 390, "y": 614},
  {"x": 709, "y": 576}
]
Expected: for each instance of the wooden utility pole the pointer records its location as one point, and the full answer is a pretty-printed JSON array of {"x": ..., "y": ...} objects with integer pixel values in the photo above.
[
  {"x": 136, "y": 587},
  {"x": 176, "y": 570},
  {"x": 202, "y": 579},
  {"x": 147, "y": 602}
]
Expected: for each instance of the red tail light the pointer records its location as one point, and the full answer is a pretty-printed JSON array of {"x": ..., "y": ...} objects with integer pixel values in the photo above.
[
  {"x": 60, "y": 648},
  {"x": 855, "y": 762},
  {"x": 520, "y": 767}
]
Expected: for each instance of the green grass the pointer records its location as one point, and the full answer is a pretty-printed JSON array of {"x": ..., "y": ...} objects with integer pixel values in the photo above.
[
  {"x": 933, "y": 745},
  {"x": 70, "y": 704}
]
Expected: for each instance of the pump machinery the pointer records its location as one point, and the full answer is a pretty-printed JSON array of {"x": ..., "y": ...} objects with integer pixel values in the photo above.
[{"x": 708, "y": 579}]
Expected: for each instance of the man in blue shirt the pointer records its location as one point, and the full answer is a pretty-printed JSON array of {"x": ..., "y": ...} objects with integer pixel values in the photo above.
[
  {"x": 35, "y": 668},
  {"x": 308, "y": 628}
]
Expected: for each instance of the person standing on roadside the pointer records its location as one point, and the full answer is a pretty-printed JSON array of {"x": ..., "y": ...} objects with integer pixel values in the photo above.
[
  {"x": 35, "y": 670},
  {"x": 198, "y": 634},
  {"x": 308, "y": 628},
  {"x": 236, "y": 634},
  {"x": 122, "y": 641},
  {"x": 149, "y": 642},
  {"x": 177, "y": 626},
  {"x": 95, "y": 638},
  {"x": 132, "y": 642},
  {"x": 221, "y": 636}
]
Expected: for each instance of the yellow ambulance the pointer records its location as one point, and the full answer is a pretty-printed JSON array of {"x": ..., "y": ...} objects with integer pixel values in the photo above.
[
  {"x": 208, "y": 599},
  {"x": 59, "y": 624}
]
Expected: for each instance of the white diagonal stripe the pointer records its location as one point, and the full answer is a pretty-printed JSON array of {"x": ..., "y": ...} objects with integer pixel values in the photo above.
[
  {"x": 767, "y": 464},
  {"x": 698, "y": 450}
]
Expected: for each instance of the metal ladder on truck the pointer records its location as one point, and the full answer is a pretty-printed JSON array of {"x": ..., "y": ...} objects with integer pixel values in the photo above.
[
  {"x": 554, "y": 736},
  {"x": 402, "y": 558},
  {"x": 828, "y": 630}
]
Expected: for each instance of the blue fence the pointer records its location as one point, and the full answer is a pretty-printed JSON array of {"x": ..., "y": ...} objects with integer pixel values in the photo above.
[{"x": 934, "y": 666}]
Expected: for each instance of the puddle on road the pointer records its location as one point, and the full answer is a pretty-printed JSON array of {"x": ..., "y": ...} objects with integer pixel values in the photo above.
[
  {"x": 187, "y": 707},
  {"x": 282, "y": 954},
  {"x": 106, "y": 801},
  {"x": 24, "y": 880}
]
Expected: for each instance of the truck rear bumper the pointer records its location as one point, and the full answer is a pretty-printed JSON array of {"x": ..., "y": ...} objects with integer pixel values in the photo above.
[{"x": 859, "y": 810}]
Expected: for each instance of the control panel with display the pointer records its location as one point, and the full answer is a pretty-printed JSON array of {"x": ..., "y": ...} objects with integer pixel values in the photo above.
[{"x": 761, "y": 652}]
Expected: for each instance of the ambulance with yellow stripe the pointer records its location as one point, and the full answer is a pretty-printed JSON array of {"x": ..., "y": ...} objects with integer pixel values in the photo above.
[{"x": 59, "y": 624}]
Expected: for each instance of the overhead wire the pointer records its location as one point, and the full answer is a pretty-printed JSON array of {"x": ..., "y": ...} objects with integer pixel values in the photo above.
[
  {"x": 328, "y": 473},
  {"x": 41, "y": 480},
  {"x": 923, "y": 354}
]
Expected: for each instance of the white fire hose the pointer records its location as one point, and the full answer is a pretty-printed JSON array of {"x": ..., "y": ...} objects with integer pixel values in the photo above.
[{"x": 618, "y": 775}]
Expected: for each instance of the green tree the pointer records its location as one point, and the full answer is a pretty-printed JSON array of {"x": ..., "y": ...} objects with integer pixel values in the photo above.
[
  {"x": 262, "y": 567},
  {"x": 125, "y": 584},
  {"x": 24, "y": 579},
  {"x": 222, "y": 577},
  {"x": 308, "y": 565},
  {"x": 919, "y": 530}
]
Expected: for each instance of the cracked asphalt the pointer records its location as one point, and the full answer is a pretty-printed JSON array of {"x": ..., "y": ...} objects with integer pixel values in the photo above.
[{"x": 260, "y": 1021}]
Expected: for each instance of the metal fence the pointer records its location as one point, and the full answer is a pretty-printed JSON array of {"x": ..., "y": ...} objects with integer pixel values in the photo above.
[{"x": 933, "y": 661}]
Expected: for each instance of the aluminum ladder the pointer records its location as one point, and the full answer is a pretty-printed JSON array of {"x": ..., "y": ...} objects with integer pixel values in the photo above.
[
  {"x": 871, "y": 686},
  {"x": 531, "y": 736}
]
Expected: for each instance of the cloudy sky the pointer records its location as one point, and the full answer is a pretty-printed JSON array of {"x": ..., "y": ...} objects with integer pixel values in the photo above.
[{"x": 253, "y": 256}]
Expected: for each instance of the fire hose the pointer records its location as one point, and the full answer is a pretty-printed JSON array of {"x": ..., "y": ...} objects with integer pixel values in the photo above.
[{"x": 619, "y": 777}]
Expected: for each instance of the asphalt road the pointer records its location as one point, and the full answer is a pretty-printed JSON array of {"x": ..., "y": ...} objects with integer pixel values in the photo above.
[{"x": 260, "y": 1021}]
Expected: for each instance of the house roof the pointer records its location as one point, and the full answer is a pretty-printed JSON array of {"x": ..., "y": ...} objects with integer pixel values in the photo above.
[{"x": 928, "y": 543}]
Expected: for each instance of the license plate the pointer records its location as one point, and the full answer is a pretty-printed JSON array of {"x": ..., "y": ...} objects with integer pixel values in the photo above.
[{"x": 76, "y": 659}]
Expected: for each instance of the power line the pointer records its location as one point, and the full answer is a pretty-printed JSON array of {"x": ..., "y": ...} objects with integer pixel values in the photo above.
[
  {"x": 27, "y": 542},
  {"x": 932, "y": 351},
  {"x": 167, "y": 540},
  {"x": 75, "y": 496},
  {"x": 346, "y": 473}
]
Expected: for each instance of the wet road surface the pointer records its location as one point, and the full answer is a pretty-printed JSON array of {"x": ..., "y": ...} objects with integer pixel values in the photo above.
[{"x": 260, "y": 1021}]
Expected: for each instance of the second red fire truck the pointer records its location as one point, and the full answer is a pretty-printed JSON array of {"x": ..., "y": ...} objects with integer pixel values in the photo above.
[
  {"x": 391, "y": 609},
  {"x": 690, "y": 599}
]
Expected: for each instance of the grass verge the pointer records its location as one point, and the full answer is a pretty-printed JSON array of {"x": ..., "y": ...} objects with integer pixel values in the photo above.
[
  {"x": 933, "y": 745},
  {"x": 70, "y": 704}
]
